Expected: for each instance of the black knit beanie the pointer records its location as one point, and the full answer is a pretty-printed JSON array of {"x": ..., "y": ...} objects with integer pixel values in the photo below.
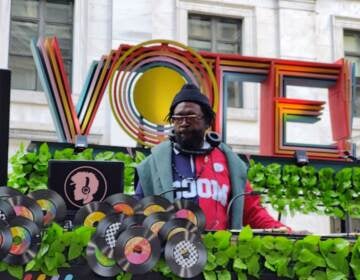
[{"x": 190, "y": 93}]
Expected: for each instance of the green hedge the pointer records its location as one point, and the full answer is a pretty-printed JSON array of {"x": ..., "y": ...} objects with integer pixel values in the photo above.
[
  {"x": 30, "y": 169},
  {"x": 307, "y": 189}
]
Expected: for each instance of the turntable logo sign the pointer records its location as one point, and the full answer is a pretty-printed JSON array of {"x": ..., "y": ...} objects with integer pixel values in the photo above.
[{"x": 84, "y": 185}]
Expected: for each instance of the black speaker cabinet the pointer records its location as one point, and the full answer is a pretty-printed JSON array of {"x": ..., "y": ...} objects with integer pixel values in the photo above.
[{"x": 4, "y": 123}]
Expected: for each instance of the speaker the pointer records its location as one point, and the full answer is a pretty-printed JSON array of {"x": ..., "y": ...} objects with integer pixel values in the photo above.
[{"x": 4, "y": 123}]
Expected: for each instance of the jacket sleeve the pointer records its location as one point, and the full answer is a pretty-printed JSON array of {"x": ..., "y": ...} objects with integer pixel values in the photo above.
[{"x": 255, "y": 215}]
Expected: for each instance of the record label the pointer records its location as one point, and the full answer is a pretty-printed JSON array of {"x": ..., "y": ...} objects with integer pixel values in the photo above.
[
  {"x": 52, "y": 205},
  {"x": 124, "y": 208},
  {"x": 25, "y": 236},
  {"x": 26, "y": 207},
  {"x": 137, "y": 250},
  {"x": 185, "y": 254},
  {"x": 99, "y": 263},
  {"x": 122, "y": 203},
  {"x": 111, "y": 234},
  {"x": 21, "y": 240},
  {"x": 107, "y": 232},
  {"x": 186, "y": 214},
  {"x": 189, "y": 210},
  {"x": 23, "y": 212},
  {"x": 155, "y": 227},
  {"x": 49, "y": 210},
  {"x": 175, "y": 226},
  {"x": 152, "y": 204},
  {"x": 153, "y": 209},
  {"x": 91, "y": 214},
  {"x": 93, "y": 218}
]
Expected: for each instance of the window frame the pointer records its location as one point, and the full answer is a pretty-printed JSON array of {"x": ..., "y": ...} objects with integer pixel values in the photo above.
[
  {"x": 356, "y": 85},
  {"x": 214, "y": 22},
  {"x": 41, "y": 22}
]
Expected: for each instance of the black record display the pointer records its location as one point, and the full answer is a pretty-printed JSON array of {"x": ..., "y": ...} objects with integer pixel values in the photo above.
[
  {"x": 6, "y": 192},
  {"x": 25, "y": 241},
  {"x": 189, "y": 210},
  {"x": 122, "y": 203},
  {"x": 134, "y": 221},
  {"x": 185, "y": 254},
  {"x": 174, "y": 226},
  {"x": 99, "y": 263},
  {"x": 5, "y": 239},
  {"x": 155, "y": 221},
  {"x": 107, "y": 231},
  {"x": 152, "y": 204},
  {"x": 52, "y": 205},
  {"x": 91, "y": 214},
  {"x": 137, "y": 250},
  {"x": 26, "y": 207},
  {"x": 6, "y": 211}
]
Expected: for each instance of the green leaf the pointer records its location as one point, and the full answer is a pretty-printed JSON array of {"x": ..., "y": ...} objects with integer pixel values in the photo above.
[
  {"x": 209, "y": 240},
  {"x": 16, "y": 271},
  {"x": 335, "y": 275},
  {"x": 107, "y": 155},
  {"x": 239, "y": 265},
  {"x": 244, "y": 250},
  {"x": 241, "y": 276},
  {"x": 209, "y": 275},
  {"x": 254, "y": 266},
  {"x": 50, "y": 262},
  {"x": 223, "y": 275},
  {"x": 221, "y": 258},
  {"x": 43, "y": 249},
  {"x": 222, "y": 239},
  {"x": 246, "y": 234},
  {"x": 3, "y": 266},
  {"x": 30, "y": 265},
  {"x": 231, "y": 251},
  {"x": 75, "y": 251}
]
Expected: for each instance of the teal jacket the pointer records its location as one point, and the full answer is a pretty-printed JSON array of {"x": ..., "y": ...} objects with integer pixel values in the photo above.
[{"x": 155, "y": 176}]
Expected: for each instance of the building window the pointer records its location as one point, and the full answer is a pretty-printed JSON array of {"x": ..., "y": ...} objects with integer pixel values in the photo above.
[
  {"x": 221, "y": 35},
  {"x": 34, "y": 19},
  {"x": 352, "y": 53}
]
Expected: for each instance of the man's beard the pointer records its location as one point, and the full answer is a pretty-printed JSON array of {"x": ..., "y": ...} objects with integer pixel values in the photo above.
[{"x": 191, "y": 140}]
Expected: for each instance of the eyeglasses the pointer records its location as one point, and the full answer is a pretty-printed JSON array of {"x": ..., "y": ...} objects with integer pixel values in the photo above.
[{"x": 176, "y": 119}]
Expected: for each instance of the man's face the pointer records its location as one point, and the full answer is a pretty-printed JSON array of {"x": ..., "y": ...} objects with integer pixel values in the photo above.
[{"x": 189, "y": 125}]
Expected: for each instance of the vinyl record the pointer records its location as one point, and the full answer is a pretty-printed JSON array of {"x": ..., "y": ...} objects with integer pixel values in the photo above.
[
  {"x": 91, "y": 214},
  {"x": 134, "y": 221},
  {"x": 107, "y": 232},
  {"x": 155, "y": 221},
  {"x": 189, "y": 210},
  {"x": 99, "y": 263},
  {"x": 185, "y": 254},
  {"x": 52, "y": 205},
  {"x": 137, "y": 250},
  {"x": 26, "y": 207},
  {"x": 6, "y": 192},
  {"x": 122, "y": 203},
  {"x": 6, "y": 211},
  {"x": 152, "y": 204},
  {"x": 25, "y": 241},
  {"x": 5, "y": 239},
  {"x": 176, "y": 225}
]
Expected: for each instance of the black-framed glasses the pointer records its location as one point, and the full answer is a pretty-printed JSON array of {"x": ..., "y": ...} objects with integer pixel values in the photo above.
[{"x": 176, "y": 119}]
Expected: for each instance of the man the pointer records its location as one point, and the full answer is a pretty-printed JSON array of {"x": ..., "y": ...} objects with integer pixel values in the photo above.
[{"x": 207, "y": 174}]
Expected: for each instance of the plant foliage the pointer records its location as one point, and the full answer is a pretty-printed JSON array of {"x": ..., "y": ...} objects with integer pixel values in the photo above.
[
  {"x": 305, "y": 189},
  {"x": 30, "y": 169}
]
